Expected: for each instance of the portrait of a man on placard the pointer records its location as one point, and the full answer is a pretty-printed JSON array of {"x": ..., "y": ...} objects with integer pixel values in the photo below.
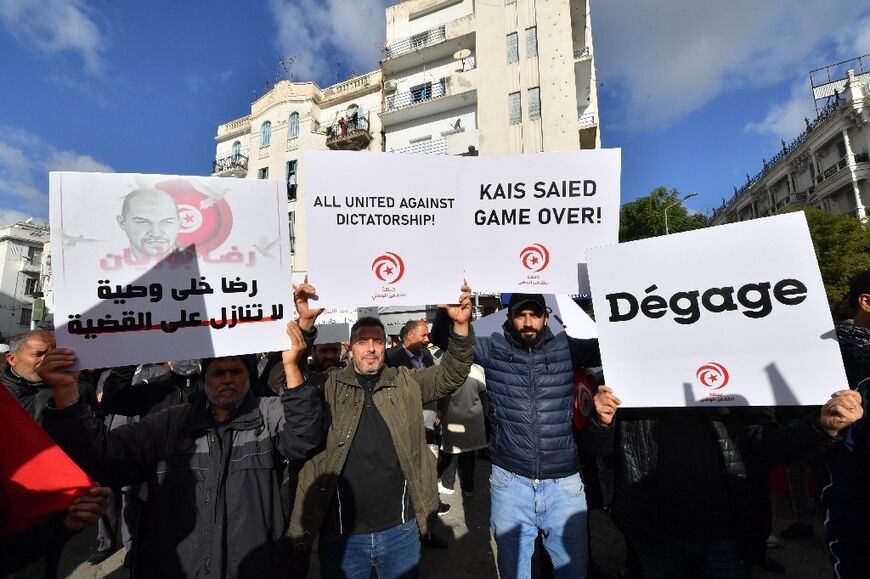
[{"x": 150, "y": 219}]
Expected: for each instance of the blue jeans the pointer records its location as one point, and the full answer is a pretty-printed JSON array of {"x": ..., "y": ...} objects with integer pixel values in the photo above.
[
  {"x": 394, "y": 553},
  {"x": 521, "y": 507}
]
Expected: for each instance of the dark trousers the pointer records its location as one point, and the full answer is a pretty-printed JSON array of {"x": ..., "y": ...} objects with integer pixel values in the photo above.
[
  {"x": 692, "y": 559},
  {"x": 466, "y": 469}
]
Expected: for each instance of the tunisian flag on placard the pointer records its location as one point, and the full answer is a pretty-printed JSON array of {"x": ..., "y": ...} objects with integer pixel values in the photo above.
[{"x": 36, "y": 477}]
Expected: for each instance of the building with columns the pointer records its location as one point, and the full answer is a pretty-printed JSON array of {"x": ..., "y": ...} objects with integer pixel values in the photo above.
[{"x": 826, "y": 167}]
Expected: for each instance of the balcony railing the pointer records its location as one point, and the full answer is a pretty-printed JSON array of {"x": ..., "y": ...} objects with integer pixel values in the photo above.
[
  {"x": 587, "y": 119},
  {"x": 581, "y": 52},
  {"x": 416, "y": 95},
  {"x": 229, "y": 163},
  {"x": 861, "y": 158},
  {"x": 430, "y": 147},
  {"x": 345, "y": 128},
  {"x": 832, "y": 170},
  {"x": 421, "y": 40}
]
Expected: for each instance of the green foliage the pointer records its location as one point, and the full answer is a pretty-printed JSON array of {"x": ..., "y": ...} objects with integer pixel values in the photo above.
[
  {"x": 842, "y": 246},
  {"x": 645, "y": 217}
]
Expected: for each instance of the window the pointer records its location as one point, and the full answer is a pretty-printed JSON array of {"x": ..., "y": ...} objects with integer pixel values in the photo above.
[
  {"x": 293, "y": 126},
  {"x": 532, "y": 42},
  {"x": 515, "y": 111},
  {"x": 263, "y": 173},
  {"x": 30, "y": 286},
  {"x": 535, "y": 103},
  {"x": 421, "y": 92},
  {"x": 841, "y": 149},
  {"x": 34, "y": 255},
  {"x": 237, "y": 149},
  {"x": 290, "y": 178},
  {"x": 24, "y": 319},
  {"x": 513, "y": 50},
  {"x": 812, "y": 171},
  {"x": 265, "y": 134}
]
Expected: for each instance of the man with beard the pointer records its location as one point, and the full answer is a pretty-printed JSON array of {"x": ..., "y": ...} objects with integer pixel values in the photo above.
[
  {"x": 535, "y": 483},
  {"x": 213, "y": 464}
]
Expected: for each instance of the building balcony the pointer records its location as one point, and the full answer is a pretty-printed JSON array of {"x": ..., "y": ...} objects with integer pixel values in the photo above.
[
  {"x": 582, "y": 53},
  {"x": 27, "y": 266},
  {"x": 452, "y": 92},
  {"x": 349, "y": 134},
  {"x": 416, "y": 42},
  {"x": 416, "y": 95},
  {"x": 586, "y": 120},
  {"x": 232, "y": 166},
  {"x": 428, "y": 147}
]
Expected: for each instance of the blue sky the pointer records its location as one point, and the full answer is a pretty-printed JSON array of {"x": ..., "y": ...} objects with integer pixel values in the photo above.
[{"x": 696, "y": 93}]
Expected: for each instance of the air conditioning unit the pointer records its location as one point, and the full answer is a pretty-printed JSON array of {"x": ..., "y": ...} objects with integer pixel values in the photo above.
[{"x": 389, "y": 87}]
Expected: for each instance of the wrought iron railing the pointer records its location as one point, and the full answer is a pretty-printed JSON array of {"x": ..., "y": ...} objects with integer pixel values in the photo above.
[
  {"x": 581, "y": 52},
  {"x": 421, "y": 40},
  {"x": 587, "y": 119},
  {"x": 231, "y": 162},
  {"x": 416, "y": 95},
  {"x": 346, "y": 127}
]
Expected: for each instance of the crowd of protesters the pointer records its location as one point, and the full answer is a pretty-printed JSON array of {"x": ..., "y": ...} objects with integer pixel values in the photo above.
[{"x": 238, "y": 466}]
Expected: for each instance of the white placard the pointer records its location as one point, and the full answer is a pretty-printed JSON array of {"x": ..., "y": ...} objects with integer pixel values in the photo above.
[
  {"x": 530, "y": 218},
  {"x": 382, "y": 228},
  {"x": 148, "y": 268},
  {"x": 334, "y": 324},
  {"x": 733, "y": 315}
]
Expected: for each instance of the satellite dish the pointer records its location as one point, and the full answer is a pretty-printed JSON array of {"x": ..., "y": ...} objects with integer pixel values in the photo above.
[{"x": 461, "y": 54}]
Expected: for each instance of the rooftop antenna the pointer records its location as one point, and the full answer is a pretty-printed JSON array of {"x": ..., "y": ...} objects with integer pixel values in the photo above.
[
  {"x": 286, "y": 63},
  {"x": 265, "y": 77}
]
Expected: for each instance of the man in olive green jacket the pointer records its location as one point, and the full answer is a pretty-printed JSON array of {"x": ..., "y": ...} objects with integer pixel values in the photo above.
[{"x": 369, "y": 491}]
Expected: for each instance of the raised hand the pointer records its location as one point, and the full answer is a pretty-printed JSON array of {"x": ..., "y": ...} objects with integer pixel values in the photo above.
[
  {"x": 843, "y": 409},
  {"x": 64, "y": 383},
  {"x": 460, "y": 312},
  {"x": 307, "y": 314},
  {"x": 291, "y": 356}
]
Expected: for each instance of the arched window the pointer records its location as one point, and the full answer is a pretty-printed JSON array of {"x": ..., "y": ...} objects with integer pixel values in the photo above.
[
  {"x": 293, "y": 126},
  {"x": 237, "y": 149},
  {"x": 265, "y": 134}
]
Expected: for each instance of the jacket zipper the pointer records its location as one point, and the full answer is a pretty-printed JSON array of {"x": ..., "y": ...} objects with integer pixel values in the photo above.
[{"x": 534, "y": 406}]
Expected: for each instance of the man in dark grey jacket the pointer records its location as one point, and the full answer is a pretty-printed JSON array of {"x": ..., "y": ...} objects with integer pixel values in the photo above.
[{"x": 213, "y": 465}]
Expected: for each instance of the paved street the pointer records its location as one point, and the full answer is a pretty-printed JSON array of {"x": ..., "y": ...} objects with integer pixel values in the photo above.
[{"x": 471, "y": 552}]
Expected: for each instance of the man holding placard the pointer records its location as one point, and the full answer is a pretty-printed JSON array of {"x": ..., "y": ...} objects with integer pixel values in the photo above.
[
  {"x": 371, "y": 489},
  {"x": 535, "y": 483}
]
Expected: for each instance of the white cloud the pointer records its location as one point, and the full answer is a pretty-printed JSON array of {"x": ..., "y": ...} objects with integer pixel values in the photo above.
[
  {"x": 55, "y": 26},
  {"x": 312, "y": 31},
  {"x": 671, "y": 58},
  {"x": 8, "y": 216},
  {"x": 25, "y": 161}
]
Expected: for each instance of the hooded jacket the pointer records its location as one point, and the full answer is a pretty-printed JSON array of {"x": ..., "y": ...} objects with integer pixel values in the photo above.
[{"x": 215, "y": 509}]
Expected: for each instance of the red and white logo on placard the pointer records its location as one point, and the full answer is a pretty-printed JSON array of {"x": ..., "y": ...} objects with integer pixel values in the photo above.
[
  {"x": 388, "y": 267},
  {"x": 713, "y": 375},
  {"x": 206, "y": 221},
  {"x": 535, "y": 257}
]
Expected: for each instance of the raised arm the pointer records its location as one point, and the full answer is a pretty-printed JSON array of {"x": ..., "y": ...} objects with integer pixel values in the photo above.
[{"x": 440, "y": 380}]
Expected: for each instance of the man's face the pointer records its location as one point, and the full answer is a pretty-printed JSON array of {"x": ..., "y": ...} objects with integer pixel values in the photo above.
[
  {"x": 226, "y": 382},
  {"x": 528, "y": 322},
  {"x": 31, "y": 353},
  {"x": 368, "y": 350},
  {"x": 417, "y": 339},
  {"x": 151, "y": 224},
  {"x": 327, "y": 355}
]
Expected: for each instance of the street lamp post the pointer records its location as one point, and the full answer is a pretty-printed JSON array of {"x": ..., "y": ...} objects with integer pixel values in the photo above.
[{"x": 677, "y": 202}]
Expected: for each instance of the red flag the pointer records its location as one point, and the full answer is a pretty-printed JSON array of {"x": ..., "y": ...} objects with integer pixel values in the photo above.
[{"x": 36, "y": 477}]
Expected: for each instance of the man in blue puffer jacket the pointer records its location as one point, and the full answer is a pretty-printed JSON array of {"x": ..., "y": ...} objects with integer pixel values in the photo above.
[{"x": 535, "y": 483}]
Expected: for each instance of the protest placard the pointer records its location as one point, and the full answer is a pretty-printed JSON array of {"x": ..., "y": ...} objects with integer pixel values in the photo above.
[
  {"x": 382, "y": 228},
  {"x": 733, "y": 315},
  {"x": 529, "y": 219},
  {"x": 148, "y": 268}
]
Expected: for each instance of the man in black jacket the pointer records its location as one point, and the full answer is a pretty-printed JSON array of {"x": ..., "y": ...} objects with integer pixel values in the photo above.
[
  {"x": 690, "y": 482},
  {"x": 213, "y": 464}
]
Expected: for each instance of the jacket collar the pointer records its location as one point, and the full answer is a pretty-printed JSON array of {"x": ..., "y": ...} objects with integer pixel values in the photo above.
[
  {"x": 246, "y": 417},
  {"x": 348, "y": 377},
  {"x": 16, "y": 383}
]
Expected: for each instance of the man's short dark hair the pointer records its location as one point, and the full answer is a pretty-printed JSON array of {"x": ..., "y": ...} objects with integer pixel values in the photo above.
[
  {"x": 16, "y": 343},
  {"x": 366, "y": 322},
  {"x": 860, "y": 285},
  {"x": 410, "y": 326}
]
